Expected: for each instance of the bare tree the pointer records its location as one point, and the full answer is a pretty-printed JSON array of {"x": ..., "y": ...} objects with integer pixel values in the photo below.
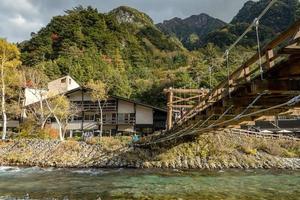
[
  {"x": 99, "y": 94},
  {"x": 9, "y": 61},
  {"x": 35, "y": 82}
]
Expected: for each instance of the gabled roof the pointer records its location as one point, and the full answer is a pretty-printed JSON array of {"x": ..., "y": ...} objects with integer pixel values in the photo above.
[{"x": 121, "y": 98}]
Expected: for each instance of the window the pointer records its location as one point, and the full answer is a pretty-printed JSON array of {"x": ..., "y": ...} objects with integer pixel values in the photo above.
[
  {"x": 70, "y": 80},
  {"x": 77, "y": 118},
  {"x": 121, "y": 117},
  {"x": 126, "y": 118},
  {"x": 108, "y": 118},
  {"x": 89, "y": 117},
  {"x": 63, "y": 80}
]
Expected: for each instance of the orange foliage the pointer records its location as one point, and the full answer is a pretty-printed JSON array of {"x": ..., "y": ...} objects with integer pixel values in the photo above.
[
  {"x": 54, "y": 36},
  {"x": 52, "y": 132}
]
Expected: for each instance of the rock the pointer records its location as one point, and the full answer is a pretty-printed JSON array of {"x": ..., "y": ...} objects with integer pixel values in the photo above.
[
  {"x": 198, "y": 162},
  {"x": 53, "y": 153}
]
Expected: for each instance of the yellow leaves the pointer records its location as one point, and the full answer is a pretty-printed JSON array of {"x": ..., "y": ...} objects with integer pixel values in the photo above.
[
  {"x": 99, "y": 90},
  {"x": 12, "y": 77},
  {"x": 60, "y": 106},
  {"x": 9, "y": 54}
]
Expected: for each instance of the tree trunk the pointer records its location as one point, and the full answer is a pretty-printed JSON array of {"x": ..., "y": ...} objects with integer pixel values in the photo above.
[
  {"x": 44, "y": 122},
  {"x": 42, "y": 112},
  {"x": 4, "y": 123},
  {"x": 59, "y": 128}
]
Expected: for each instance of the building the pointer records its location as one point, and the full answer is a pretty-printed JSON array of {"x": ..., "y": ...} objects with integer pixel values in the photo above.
[{"x": 120, "y": 115}]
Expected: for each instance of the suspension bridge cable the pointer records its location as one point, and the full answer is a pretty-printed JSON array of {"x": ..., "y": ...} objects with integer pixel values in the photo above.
[
  {"x": 250, "y": 105},
  {"x": 252, "y": 24},
  {"x": 255, "y": 24},
  {"x": 223, "y": 114},
  {"x": 237, "y": 117},
  {"x": 228, "y": 72},
  {"x": 258, "y": 49},
  {"x": 291, "y": 102}
]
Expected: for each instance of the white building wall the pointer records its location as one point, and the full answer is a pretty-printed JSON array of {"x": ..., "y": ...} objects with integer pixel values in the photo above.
[
  {"x": 77, "y": 96},
  {"x": 32, "y": 95},
  {"x": 63, "y": 84},
  {"x": 144, "y": 115},
  {"x": 76, "y": 125},
  {"x": 125, "y": 107}
]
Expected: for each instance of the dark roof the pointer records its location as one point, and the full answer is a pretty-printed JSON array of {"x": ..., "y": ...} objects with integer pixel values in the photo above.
[{"x": 121, "y": 98}]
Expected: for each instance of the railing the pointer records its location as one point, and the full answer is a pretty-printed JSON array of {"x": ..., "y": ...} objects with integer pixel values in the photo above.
[
  {"x": 244, "y": 73},
  {"x": 109, "y": 106},
  {"x": 120, "y": 118},
  {"x": 262, "y": 135},
  {"x": 109, "y": 121}
]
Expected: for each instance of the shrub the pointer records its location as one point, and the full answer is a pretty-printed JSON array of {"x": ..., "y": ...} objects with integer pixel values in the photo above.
[
  {"x": 110, "y": 143},
  {"x": 29, "y": 129},
  {"x": 248, "y": 150},
  {"x": 70, "y": 145}
]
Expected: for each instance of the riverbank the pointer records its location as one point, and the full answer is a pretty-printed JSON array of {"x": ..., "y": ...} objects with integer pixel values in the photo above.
[{"x": 209, "y": 151}]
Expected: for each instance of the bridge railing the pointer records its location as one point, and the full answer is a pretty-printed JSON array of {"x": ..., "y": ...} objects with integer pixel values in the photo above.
[
  {"x": 271, "y": 53},
  {"x": 262, "y": 135}
]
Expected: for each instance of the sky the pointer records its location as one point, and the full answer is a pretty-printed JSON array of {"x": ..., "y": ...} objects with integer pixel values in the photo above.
[{"x": 18, "y": 18}]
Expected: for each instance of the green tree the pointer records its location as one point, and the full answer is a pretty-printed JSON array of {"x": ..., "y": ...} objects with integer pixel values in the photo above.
[{"x": 61, "y": 109}]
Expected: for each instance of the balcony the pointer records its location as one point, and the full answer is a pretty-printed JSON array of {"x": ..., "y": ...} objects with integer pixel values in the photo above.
[
  {"x": 109, "y": 106},
  {"x": 120, "y": 118}
]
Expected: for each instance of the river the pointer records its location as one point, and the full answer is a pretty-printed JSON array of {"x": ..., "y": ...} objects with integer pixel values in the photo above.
[{"x": 51, "y": 183}]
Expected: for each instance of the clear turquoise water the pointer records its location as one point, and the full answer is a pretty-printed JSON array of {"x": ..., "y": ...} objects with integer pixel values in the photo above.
[{"x": 37, "y": 183}]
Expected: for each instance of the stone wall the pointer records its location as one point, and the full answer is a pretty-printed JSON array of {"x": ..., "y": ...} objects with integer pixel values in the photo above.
[{"x": 75, "y": 154}]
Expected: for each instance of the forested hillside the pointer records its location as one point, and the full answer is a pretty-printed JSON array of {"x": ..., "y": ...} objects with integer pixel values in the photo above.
[{"x": 124, "y": 48}]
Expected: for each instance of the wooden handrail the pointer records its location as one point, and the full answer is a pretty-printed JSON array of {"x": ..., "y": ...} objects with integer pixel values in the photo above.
[{"x": 265, "y": 135}]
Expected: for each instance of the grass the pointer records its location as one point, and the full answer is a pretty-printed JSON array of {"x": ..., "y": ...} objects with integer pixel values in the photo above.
[
  {"x": 220, "y": 146},
  {"x": 110, "y": 143}
]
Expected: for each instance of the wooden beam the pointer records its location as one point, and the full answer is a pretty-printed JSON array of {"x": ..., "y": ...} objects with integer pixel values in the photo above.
[
  {"x": 269, "y": 58},
  {"x": 188, "y": 99},
  {"x": 186, "y": 91},
  {"x": 182, "y": 106}
]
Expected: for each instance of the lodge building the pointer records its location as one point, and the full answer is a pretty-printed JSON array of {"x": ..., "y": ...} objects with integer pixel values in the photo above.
[{"x": 120, "y": 115}]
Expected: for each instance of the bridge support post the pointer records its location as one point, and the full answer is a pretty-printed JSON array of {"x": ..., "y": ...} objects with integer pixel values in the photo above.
[
  {"x": 170, "y": 109},
  {"x": 269, "y": 56}
]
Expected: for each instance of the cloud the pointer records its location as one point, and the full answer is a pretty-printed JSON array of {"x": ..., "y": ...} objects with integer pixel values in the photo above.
[{"x": 18, "y": 18}]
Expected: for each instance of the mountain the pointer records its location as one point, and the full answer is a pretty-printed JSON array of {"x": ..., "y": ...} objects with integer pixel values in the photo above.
[
  {"x": 199, "y": 30},
  {"x": 280, "y": 16},
  {"x": 191, "y": 30},
  {"x": 82, "y": 28},
  {"x": 122, "y": 48}
]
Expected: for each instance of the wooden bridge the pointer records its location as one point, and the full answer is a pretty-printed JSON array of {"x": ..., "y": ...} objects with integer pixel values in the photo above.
[{"x": 251, "y": 91}]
